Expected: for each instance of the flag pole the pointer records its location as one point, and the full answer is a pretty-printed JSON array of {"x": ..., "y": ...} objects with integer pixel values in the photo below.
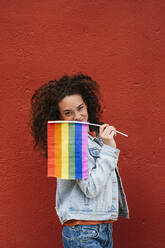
[{"x": 87, "y": 123}]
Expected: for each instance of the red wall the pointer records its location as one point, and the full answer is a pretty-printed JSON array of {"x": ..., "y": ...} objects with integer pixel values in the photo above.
[{"x": 121, "y": 45}]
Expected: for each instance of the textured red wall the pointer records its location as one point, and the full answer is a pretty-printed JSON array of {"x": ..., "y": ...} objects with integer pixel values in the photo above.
[{"x": 121, "y": 45}]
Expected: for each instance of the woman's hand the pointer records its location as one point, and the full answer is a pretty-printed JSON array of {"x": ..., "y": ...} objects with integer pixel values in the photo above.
[{"x": 107, "y": 133}]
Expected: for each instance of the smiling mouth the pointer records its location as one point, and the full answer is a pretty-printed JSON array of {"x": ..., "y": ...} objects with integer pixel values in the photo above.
[{"x": 82, "y": 120}]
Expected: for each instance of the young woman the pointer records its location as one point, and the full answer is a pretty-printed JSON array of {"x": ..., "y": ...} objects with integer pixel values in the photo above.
[{"x": 87, "y": 207}]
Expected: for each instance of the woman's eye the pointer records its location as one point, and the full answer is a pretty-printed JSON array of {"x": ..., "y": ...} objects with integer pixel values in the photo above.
[{"x": 68, "y": 113}]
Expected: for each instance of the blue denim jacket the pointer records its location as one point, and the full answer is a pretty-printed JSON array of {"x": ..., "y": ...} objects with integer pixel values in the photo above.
[{"x": 101, "y": 195}]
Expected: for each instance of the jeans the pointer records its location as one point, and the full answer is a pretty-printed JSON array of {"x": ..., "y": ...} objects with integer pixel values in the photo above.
[{"x": 87, "y": 236}]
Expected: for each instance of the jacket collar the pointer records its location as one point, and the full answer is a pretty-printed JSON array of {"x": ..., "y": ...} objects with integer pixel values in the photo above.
[{"x": 97, "y": 139}]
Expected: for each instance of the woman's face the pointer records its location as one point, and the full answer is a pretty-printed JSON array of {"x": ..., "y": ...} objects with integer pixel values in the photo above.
[{"x": 73, "y": 108}]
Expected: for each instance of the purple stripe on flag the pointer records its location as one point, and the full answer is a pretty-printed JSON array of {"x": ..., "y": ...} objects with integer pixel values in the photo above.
[{"x": 84, "y": 151}]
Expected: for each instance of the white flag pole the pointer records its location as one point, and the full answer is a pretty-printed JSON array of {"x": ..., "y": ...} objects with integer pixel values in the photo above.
[{"x": 87, "y": 123}]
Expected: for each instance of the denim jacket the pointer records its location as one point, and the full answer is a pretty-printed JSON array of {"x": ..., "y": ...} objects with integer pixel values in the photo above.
[{"x": 101, "y": 195}]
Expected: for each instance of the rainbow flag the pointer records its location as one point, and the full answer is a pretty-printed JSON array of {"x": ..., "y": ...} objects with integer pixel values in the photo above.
[{"x": 67, "y": 150}]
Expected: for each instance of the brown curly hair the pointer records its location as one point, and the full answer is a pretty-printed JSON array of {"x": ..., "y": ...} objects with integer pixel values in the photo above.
[{"x": 44, "y": 104}]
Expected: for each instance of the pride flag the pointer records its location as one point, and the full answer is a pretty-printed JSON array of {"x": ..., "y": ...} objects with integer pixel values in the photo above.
[{"x": 67, "y": 149}]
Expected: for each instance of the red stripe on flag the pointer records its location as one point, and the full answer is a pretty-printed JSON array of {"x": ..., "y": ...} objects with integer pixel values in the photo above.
[{"x": 50, "y": 145}]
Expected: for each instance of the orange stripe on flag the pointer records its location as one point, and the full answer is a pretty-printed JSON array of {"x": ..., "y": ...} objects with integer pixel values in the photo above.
[{"x": 57, "y": 150}]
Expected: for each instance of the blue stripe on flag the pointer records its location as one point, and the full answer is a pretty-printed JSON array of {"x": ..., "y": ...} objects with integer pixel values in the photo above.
[{"x": 78, "y": 151}]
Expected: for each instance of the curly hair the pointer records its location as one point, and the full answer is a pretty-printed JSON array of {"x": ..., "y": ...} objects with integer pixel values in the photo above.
[{"x": 44, "y": 104}]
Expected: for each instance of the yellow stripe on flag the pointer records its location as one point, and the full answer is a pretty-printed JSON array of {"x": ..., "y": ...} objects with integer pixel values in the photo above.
[{"x": 65, "y": 142}]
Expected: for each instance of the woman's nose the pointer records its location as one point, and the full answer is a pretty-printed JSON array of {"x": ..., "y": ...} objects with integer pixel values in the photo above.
[{"x": 77, "y": 116}]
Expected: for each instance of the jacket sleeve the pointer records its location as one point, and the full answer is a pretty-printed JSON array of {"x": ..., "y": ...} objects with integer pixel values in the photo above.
[{"x": 105, "y": 164}]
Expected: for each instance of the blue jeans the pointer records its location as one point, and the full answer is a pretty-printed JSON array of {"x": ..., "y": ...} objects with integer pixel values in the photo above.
[{"x": 87, "y": 236}]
